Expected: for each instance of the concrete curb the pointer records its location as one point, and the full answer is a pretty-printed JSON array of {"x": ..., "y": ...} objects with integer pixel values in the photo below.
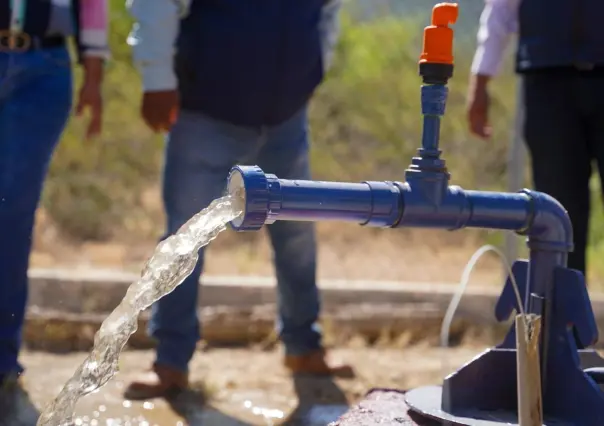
[
  {"x": 67, "y": 306},
  {"x": 99, "y": 291},
  {"x": 64, "y": 332}
]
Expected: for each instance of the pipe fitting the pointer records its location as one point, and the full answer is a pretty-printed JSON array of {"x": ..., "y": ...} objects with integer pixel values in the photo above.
[
  {"x": 386, "y": 205},
  {"x": 549, "y": 227},
  {"x": 265, "y": 198},
  {"x": 250, "y": 188},
  {"x": 434, "y": 99}
]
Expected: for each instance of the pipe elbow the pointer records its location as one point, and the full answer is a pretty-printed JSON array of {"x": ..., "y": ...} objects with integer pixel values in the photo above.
[{"x": 549, "y": 227}]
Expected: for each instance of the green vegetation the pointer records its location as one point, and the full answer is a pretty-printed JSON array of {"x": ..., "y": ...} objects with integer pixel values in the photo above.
[{"x": 365, "y": 121}]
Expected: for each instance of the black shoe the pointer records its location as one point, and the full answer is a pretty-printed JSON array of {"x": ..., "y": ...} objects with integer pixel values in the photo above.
[{"x": 16, "y": 409}]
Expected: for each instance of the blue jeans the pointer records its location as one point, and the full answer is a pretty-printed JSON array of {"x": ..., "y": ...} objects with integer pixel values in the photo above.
[
  {"x": 200, "y": 152},
  {"x": 35, "y": 100}
]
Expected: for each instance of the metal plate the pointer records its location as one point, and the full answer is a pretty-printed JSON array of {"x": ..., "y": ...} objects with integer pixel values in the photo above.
[
  {"x": 589, "y": 358},
  {"x": 427, "y": 401}
]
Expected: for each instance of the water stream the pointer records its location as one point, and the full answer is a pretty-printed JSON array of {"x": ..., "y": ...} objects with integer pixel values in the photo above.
[{"x": 173, "y": 260}]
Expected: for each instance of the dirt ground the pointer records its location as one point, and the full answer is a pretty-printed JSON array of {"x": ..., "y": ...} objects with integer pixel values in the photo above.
[{"x": 242, "y": 386}]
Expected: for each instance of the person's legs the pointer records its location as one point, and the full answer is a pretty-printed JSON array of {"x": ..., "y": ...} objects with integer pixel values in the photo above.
[
  {"x": 556, "y": 136},
  {"x": 199, "y": 154},
  {"x": 286, "y": 154},
  {"x": 35, "y": 100}
]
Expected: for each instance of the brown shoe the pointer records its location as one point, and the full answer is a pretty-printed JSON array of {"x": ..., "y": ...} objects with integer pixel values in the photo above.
[
  {"x": 315, "y": 364},
  {"x": 160, "y": 382}
]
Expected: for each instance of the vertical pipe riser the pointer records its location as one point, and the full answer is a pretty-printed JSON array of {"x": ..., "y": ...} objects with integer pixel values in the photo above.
[{"x": 433, "y": 101}]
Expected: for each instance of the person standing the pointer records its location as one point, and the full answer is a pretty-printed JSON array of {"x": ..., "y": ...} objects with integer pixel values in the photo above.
[
  {"x": 230, "y": 81},
  {"x": 35, "y": 101},
  {"x": 560, "y": 59}
]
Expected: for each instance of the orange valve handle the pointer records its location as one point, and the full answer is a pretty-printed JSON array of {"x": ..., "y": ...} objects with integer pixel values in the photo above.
[{"x": 438, "y": 37}]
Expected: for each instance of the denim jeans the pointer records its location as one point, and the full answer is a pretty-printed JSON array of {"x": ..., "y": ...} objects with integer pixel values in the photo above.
[
  {"x": 35, "y": 100},
  {"x": 199, "y": 154}
]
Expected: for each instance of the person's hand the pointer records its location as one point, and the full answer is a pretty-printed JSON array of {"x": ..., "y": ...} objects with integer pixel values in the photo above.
[
  {"x": 90, "y": 98},
  {"x": 478, "y": 107},
  {"x": 159, "y": 109}
]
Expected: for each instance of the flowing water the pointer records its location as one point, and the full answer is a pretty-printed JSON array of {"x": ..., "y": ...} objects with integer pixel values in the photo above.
[{"x": 172, "y": 261}]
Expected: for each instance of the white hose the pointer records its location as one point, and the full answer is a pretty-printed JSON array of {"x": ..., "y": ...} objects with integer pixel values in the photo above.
[{"x": 463, "y": 284}]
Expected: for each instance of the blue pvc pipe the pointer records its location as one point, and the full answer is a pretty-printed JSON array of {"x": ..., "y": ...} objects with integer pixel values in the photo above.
[
  {"x": 268, "y": 198},
  {"x": 351, "y": 202},
  {"x": 433, "y": 101},
  {"x": 431, "y": 133},
  {"x": 499, "y": 210},
  {"x": 396, "y": 204}
]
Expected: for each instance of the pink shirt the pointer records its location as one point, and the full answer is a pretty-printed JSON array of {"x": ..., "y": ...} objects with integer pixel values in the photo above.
[{"x": 94, "y": 23}]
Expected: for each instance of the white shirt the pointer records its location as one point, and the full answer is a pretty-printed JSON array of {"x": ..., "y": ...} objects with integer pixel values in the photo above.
[{"x": 499, "y": 20}]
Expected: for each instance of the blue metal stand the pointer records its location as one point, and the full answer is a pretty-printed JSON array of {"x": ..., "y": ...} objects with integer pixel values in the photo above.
[{"x": 484, "y": 390}]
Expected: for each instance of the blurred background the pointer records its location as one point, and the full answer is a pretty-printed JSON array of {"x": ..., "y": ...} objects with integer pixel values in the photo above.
[{"x": 102, "y": 208}]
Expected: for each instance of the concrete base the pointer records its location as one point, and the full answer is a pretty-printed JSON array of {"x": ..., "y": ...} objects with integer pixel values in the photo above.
[
  {"x": 384, "y": 407},
  {"x": 388, "y": 407}
]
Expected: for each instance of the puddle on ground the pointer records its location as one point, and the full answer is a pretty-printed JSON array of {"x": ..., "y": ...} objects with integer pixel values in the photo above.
[
  {"x": 322, "y": 414},
  {"x": 263, "y": 408},
  {"x": 255, "y": 403},
  {"x": 106, "y": 407}
]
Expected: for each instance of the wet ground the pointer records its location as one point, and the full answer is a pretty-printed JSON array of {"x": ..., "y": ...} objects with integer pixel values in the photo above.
[{"x": 238, "y": 387}]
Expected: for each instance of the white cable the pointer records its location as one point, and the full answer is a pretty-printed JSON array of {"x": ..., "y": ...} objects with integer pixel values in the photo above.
[{"x": 463, "y": 284}]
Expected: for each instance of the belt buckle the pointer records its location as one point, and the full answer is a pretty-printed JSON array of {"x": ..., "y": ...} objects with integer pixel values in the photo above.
[
  {"x": 584, "y": 66},
  {"x": 14, "y": 41}
]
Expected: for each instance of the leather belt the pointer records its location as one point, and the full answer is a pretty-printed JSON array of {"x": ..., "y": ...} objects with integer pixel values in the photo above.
[{"x": 23, "y": 42}]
